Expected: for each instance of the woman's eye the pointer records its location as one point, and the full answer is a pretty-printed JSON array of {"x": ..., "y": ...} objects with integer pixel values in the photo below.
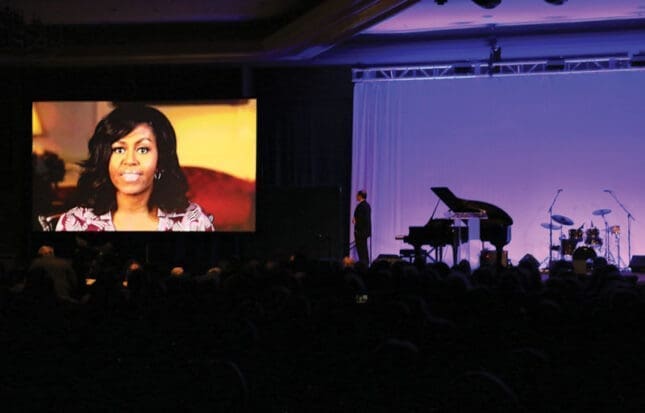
[
  {"x": 118, "y": 149},
  {"x": 143, "y": 149}
]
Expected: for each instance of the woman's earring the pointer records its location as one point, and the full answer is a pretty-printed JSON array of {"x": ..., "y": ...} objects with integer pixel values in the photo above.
[{"x": 157, "y": 175}]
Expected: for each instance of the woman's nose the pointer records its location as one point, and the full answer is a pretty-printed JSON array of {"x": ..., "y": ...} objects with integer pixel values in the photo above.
[{"x": 130, "y": 158}]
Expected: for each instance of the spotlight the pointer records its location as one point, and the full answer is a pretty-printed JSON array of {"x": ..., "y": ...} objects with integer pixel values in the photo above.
[
  {"x": 556, "y": 2},
  {"x": 487, "y": 4},
  {"x": 555, "y": 65}
]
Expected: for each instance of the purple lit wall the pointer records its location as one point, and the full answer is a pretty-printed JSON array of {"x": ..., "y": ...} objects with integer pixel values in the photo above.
[{"x": 509, "y": 141}]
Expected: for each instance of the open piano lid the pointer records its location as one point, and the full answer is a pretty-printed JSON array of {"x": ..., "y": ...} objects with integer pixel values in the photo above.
[{"x": 458, "y": 205}]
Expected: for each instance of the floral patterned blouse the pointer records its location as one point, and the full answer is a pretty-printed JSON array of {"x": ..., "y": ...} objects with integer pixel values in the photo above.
[{"x": 84, "y": 219}]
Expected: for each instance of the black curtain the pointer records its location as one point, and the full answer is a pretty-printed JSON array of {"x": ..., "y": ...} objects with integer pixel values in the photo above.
[
  {"x": 305, "y": 135},
  {"x": 305, "y": 126}
]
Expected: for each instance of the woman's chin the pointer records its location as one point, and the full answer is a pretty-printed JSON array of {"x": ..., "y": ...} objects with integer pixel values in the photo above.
[{"x": 134, "y": 192}]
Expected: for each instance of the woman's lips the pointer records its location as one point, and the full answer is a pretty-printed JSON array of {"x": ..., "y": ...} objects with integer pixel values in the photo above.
[{"x": 130, "y": 176}]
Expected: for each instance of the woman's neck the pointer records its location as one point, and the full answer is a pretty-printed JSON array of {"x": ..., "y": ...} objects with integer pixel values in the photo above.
[
  {"x": 132, "y": 203},
  {"x": 133, "y": 214}
]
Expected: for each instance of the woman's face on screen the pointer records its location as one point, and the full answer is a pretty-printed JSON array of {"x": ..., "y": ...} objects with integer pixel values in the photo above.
[{"x": 133, "y": 161}]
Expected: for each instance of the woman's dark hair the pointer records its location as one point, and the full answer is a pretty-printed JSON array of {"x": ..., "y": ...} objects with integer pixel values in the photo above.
[{"x": 95, "y": 189}]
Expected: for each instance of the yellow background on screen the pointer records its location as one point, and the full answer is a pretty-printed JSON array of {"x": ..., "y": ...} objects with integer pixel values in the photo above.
[{"x": 229, "y": 128}]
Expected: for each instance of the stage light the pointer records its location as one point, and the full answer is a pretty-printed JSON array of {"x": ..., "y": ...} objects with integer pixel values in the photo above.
[
  {"x": 487, "y": 4},
  {"x": 556, "y": 2},
  {"x": 463, "y": 68},
  {"x": 638, "y": 60},
  {"x": 495, "y": 54}
]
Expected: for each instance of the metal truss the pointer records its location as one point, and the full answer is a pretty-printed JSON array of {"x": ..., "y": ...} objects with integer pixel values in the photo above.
[{"x": 461, "y": 70}]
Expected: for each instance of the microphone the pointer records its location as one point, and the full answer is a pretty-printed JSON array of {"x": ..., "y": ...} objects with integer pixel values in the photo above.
[
  {"x": 560, "y": 190},
  {"x": 607, "y": 190}
]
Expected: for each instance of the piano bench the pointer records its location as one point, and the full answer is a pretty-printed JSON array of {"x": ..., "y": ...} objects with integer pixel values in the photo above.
[{"x": 408, "y": 254}]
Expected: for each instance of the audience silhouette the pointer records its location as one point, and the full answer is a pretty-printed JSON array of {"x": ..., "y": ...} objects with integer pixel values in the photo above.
[{"x": 303, "y": 335}]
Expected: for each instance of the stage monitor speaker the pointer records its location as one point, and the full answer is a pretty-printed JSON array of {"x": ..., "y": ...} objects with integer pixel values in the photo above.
[
  {"x": 391, "y": 258},
  {"x": 489, "y": 257},
  {"x": 637, "y": 263}
]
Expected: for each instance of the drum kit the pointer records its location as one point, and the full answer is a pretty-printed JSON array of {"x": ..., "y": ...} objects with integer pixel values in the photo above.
[{"x": 592, "y": 244}]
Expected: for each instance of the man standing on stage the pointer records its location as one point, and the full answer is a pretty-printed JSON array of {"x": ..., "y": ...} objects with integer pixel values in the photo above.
[{"x": 362, "y": 226}]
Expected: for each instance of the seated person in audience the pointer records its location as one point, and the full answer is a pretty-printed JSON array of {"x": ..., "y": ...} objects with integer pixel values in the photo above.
[
  {"x": 132, "y": 180},
  {"x": 60, "y": 273}
]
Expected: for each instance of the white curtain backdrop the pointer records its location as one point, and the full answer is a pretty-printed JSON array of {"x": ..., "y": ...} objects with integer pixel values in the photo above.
[{"x": 509, "y": 141}]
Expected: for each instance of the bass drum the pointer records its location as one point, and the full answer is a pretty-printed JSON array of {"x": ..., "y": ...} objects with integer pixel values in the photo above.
[
  {"x": 584, "y": 253},
  {"x": 583, "y": 260}
]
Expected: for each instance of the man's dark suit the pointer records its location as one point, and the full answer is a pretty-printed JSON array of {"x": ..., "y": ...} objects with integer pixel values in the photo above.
[{"x": 362, "y": 230}]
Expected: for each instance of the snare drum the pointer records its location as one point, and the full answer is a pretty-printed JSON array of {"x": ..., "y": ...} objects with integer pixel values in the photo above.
[{"x": 593, "y": 237}]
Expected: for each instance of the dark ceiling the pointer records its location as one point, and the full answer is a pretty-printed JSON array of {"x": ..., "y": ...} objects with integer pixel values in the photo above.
[{"x": 80, "y": 32}]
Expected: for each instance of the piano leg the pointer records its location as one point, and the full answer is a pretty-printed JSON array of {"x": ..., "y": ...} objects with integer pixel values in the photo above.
[
  {"x": 454, "y": 254},
  {"x": 419, "y": 256},
  {"x": 499, "y": 250}
]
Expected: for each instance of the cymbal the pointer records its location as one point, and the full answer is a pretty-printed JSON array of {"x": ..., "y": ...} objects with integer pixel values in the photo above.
[
  {"x": 561, "y": 219},
  {"x": 551, "y": 226},
  {"x": 602, "y": 212}
]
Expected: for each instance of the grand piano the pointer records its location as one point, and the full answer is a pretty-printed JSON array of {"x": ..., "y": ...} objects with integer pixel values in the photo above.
[{"x": 494, "y": 226}]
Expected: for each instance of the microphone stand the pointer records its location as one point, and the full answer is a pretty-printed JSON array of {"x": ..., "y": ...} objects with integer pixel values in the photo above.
[
  {"x": 551, "y": 228},
  {"x": 630, "y": 218}
]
